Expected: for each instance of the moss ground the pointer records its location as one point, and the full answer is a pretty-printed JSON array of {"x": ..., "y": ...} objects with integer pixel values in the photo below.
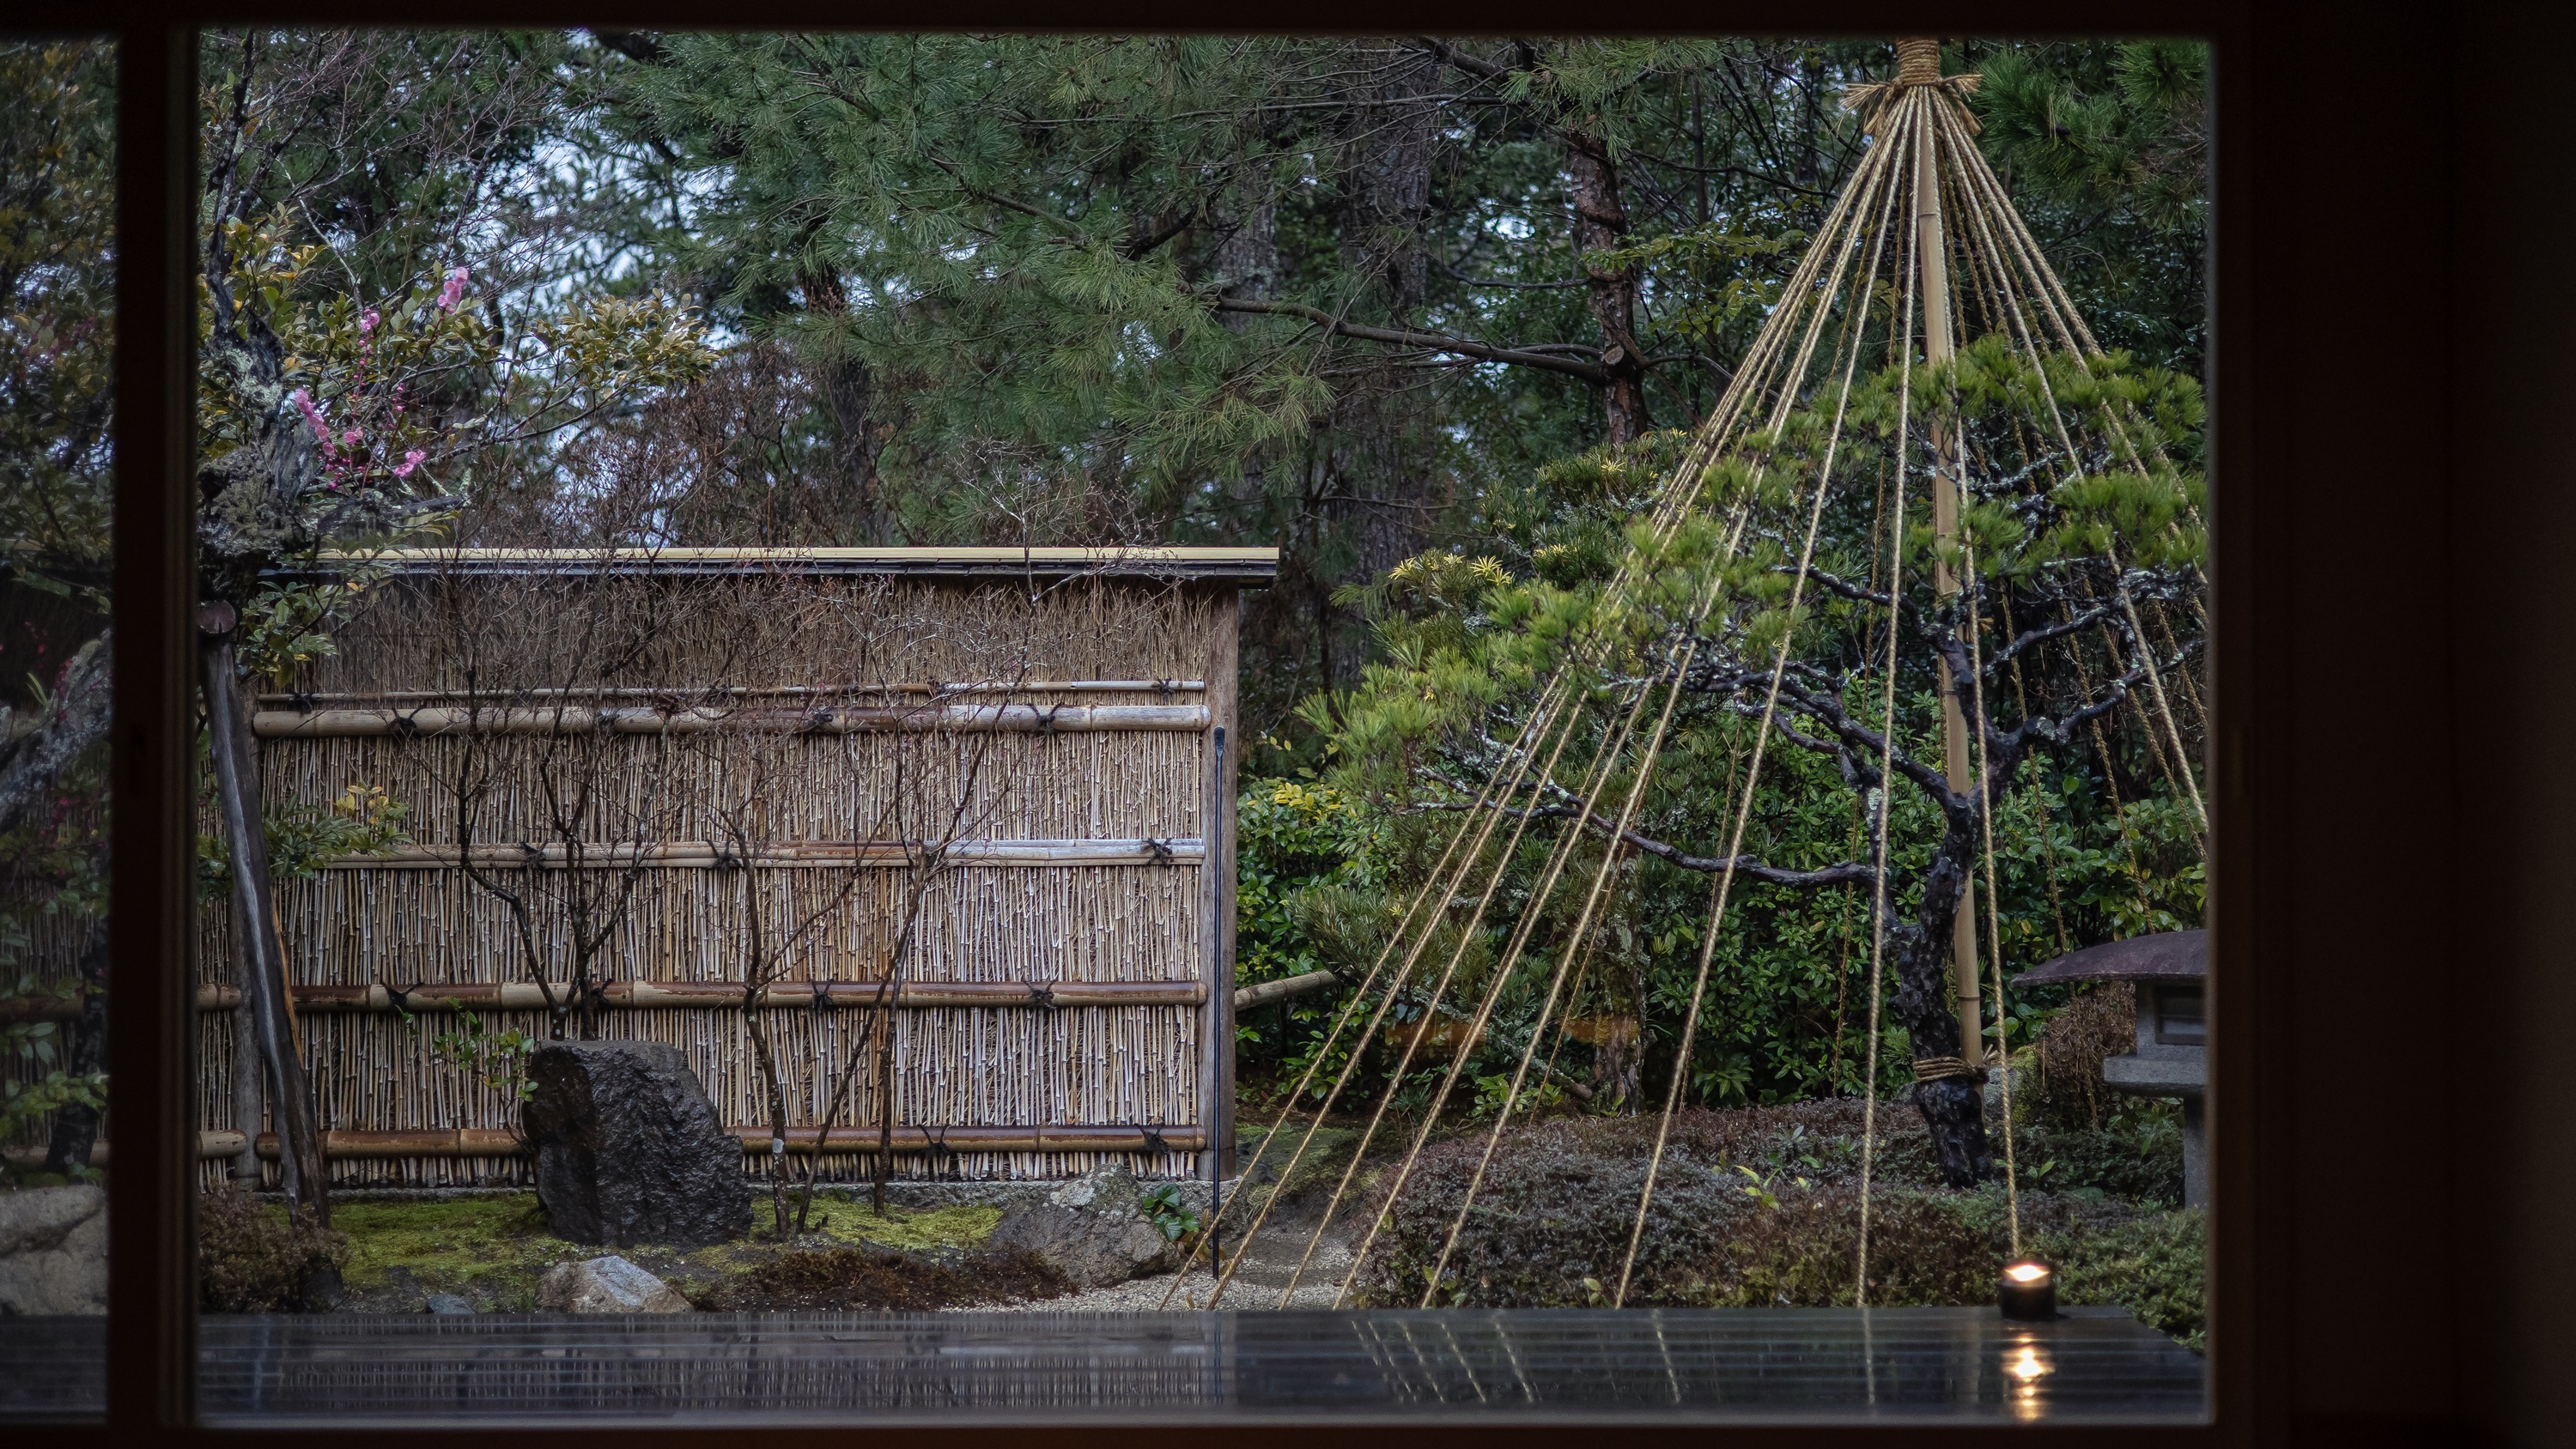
[{"x": 492, "y": 1249}]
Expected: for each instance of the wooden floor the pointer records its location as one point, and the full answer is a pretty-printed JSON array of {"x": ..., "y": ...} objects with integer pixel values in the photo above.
[{"x": 1742, "y": 1365}]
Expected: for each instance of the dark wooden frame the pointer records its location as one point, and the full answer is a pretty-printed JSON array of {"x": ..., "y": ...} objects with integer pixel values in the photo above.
[{"x": 2366, "y": 212}]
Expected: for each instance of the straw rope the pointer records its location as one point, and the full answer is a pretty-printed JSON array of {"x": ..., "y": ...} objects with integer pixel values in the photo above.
[
  {"x": 1886, "y": 781},
  {"x": 1968, "y": 162},
  {"x": 1753, "y": 776},
  {"x": 1670, "y": 510},
  {"x": 1671, "y": 507},
  {"x": 1994, "y": 927},
  {"x": 1785, "y": 400}
]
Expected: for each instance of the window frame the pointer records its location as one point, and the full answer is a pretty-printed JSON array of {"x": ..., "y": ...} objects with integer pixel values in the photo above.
[{"x": 151, "y": 1331}]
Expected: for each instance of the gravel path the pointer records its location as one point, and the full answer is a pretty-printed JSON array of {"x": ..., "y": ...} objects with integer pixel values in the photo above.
[{"x": 1256, "y": 1285}]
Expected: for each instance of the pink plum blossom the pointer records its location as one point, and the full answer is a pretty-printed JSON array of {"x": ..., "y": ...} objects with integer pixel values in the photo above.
[
  {"x": 313, "y": 419},
  {"x": 410, "y": 461},
  {"x": 455, "y": 288},
  {"x": 367, "y": 321}
]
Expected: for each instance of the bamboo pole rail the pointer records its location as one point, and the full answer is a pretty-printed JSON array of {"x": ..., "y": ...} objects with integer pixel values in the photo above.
[
  {"x": 277, "y": 724},
  {"x": 382, "y": 697},
  {"x": 1123, "y": 1137},
  {"x": 707, "y": 855},
  {"x": 1253, "y": 566},
  {"x": 432, "y": 996},
  {"x": 1286, "y": 988},
  {"x": 501, "y": 1142}
]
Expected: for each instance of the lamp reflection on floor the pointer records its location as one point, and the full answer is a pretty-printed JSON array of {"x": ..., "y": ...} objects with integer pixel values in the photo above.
[{"x": 2026, "y": 1370}]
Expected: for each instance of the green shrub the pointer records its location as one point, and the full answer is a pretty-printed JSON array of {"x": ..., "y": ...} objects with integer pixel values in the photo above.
[
  {"x": 251, "y": 1258},
  {"x": 1760, "y": 1207},
  {"x": 2138, "y": 1156},
  {"x": 2152, "y": 1266}
]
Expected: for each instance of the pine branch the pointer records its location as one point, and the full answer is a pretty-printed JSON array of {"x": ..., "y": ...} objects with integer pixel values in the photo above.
[{"x": 1546, "y": 361}]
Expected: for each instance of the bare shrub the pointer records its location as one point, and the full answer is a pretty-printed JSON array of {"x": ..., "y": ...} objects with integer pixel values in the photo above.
[{"x": 2099, "y": 1022}]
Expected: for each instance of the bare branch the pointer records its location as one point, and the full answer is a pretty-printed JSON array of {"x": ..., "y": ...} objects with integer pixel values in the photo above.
[
  {"x": 1743, "y": 865},
  {"x": 1428, "y": 341}
]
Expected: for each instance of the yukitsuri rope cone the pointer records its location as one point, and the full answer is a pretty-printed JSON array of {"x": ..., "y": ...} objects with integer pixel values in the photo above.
[{"x": 1806, "y": 355}]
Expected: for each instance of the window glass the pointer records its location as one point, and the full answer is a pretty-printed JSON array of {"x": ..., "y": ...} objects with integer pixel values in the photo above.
[
  {"x": 57, "y": 219},
  {"x": 1057, "y": 725}
]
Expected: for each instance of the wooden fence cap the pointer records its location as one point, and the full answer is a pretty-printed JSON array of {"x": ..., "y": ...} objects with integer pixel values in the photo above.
[{"x": 1253, "y": 567}]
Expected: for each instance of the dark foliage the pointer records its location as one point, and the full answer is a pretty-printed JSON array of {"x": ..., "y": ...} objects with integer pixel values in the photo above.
[
  {"x": 1759, "y": 1208},
  {"x": 849, "y": 1278},
  {"x": 2153, "y": 1267},
  {"x": 252, "y": 1258},
  {"x": 2139, "y": 1157}
]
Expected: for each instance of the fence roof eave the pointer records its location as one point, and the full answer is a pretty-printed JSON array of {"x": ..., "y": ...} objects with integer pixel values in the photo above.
[{"x": 1252, "y": 567}]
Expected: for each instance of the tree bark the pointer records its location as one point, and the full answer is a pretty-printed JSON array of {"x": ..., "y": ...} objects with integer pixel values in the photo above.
[
  {"x": 850, "y": 396},
  {"x": 77, "y": 719},
  {"x": 1953, "y": 1107},
  {"x": 1390, "y": 188},
  {"x": 254, "y": 897},
  {"x": 1601, "y": 223}
]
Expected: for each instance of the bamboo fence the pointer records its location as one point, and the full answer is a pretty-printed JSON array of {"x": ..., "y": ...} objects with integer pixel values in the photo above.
[{"x": 685, "y": 777}]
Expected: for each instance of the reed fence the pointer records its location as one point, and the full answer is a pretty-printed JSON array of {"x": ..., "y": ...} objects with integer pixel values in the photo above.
[{"x": 697, "y": 796}]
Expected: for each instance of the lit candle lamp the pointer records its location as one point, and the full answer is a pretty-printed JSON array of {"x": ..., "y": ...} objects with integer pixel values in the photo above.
[{"x": 2027, "y": 1290}]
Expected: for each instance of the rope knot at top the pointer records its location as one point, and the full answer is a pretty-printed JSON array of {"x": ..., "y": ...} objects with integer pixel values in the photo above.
[
  {"x": 1918, "y": 61},
  {"x": 1918, "y": 65}
]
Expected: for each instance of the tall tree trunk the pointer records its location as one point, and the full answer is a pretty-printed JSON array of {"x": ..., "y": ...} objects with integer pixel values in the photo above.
[
  {"x": 255, "y": 916},
  {"x": 1601, "y": 223},
  {"x": 1811, "y": 97},
  {"x": 850, "y": 396},
  {"x": 1245, "y": 260},
  {"x": 1390, "y": 188}
]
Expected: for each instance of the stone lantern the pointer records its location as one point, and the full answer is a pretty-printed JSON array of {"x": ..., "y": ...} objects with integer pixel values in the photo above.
[{"x": 2171, "y": 968}]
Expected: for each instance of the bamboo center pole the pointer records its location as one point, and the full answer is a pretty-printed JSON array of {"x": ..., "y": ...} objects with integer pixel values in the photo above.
[
  {"x": 1932, "y": 254},
  {"x": 232, "y": 752}
]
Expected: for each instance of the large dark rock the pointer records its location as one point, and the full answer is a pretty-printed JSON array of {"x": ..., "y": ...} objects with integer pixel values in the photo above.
[
  {"x": 1094, "y": 1229},
  {"x": 629, "y": 1149}
]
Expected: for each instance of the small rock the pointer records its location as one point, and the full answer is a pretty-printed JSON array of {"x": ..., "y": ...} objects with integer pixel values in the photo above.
[
  {"x": 629, "y": 1149},
  {"x": 53, "y": 1250},
  {"x": 448, "y": 1305},
  {"x": 606, "y": 1285},
  {"x": 1093, "y": 1229}
]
